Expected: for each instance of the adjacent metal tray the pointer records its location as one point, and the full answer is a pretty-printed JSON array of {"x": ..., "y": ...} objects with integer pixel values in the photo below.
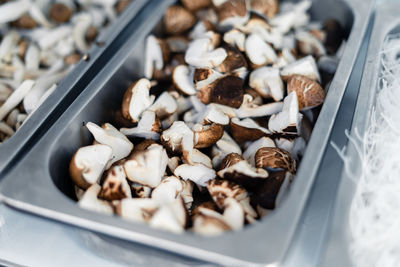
[
  {"x": 68, "y": 89},
  {"x": 36, "y": 183},
  {"x": 386, "y": 22}
]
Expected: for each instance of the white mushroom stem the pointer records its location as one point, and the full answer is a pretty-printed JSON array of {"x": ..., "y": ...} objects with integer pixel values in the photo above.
[
  {"x": 259, "y": 111},
  {"x": 167, "y": 191},
  {"x": 164, "y": 105},
  {"x": 198, "y": 173},
  {"x": 11, "y": 11},
  {"x": 15, "y": 98},
  {"x": 5, "y": 128},
  {"x": 38, "y": 16},
  {"x": 305, "y": 67},
  {"x": 236, "y": 38},
  {"x": 144, "y": 128},
  {"x": 233, "y": 214},
  {"x": 83, "y": 23},
  {"x": 7, "y": 44},
  {"x": 258, "y": 51},
  {"x": 153, "y": 57},
  {"x": 32, "y": 57},
  {"x": 183, "y": 79},
  {"x": 201, "y": 54},
  {"x": 267, "y": 82},
  {"x": 53, "y": 36},
  {"x": 90, "y": 201},
  {"x": 109, "y": 135}
]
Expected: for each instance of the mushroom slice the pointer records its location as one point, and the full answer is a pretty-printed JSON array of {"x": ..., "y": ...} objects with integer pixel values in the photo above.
[
  {"x": 208, "y": 222},
  {"x": 205, "y": 77},
  {"x": 198, "y": 173},
  {"x": 269, "y": 8},
  {"x": 232, "y": 13},
  {"x": 168, "y": 218},
  {"x": 288, "y": 120},
  {"x": 234, "y": 61},
  {"x": 109, "y": 135},
  {"x": 275, "y": 158},
  {"x": 267, "y": 82},
  {"x": 270, "y": 193},
  {"x": 177, "y": 44},
  {"x": 196, "y": 5},
  {"x": 308, "y": 44},
  {"x": 230, "y": 159},
  {"x": 149, "y": 127},
  {"x": 228, "y": 91},
  {"x": 173, "y": 163},
  {"x": 207, "y": 135},
  {"x": 199, "y": 157},
  {"x": 115, "y": 185},
  {"x": 140, "y": 191},
  {"x": 244, "y": 174},
  {"x": 187, "y": 193},
  {"x": 214, "y": 115},
  {"x": 90, "y": 201},
  {"x": 309, "y": 93},
  {"x": 137, "y": 209},
  {"x": 147, "y": 167},
  {"x": 233, "y": 213},
  {"x": 172, "y": 138},
  {"x": 164, "y": 106},
  {"x": 88, "y": 164},
  {"x": 249, "y": 211},
  {"x": 221, "y": 190},
  {"x": 136, "y": 100},
  {"x": 167, "y": 191},
  {"x": 247, "y": 130},
  {"x": 201, "y": 54},
  {"x": 259, "y": 111},
  {"x": 200, "y": 29},
  {"x": 305, "y": 67},
  {"x": 178, "y": 19},
  {"x": 250, "y": 152},
  {"x": 183, "y": 80},
  {"x": 259, "y": 52},
  {"x": 295, "y": 146},
  {"x": 16, "y": 97},
  {"x": 235, "y": 38},
  {"x": 223, "y": 147}
]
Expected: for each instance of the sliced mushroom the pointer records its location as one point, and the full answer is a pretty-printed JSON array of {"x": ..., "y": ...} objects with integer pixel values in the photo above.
[
  {"x": 172, "y": 138},
  {"x": 136, "y": 100},
  {"x": 275, "y": 158},
  {"x": 289, "y": 120},
  {"x": 207, "y": 135},
  {"x": 205, "y": 78},
  {"x": 233, "y": 213},
  {"x": 137, "y": 209},
  {"x": 196, "y": 5},
  {"x": 199, "y": 157},
  {"x": 259, "y": 52},
  {"x": 177, "y": 44},
  {"x": 305, "y": 67},
  {"x": 115, "y": 185},
  {"x": 198, "y": 173},
  {"x": 178, "y": 19},
  {"x": 309, "y": 93},
  {"x": 308, "y": 44},
  {"x": 88, "y": 164},
  {"x": 234, "y": 61},
  {"x": 235, "y": 38},
  {"x": 109, "y": 135},
  {"x": 201, "y": 54},
  {"x": 230, "y": 159},
  {"x": 187, "y": 193},
  {"x": 167, "y": 191},
  {"x": 244, "y": 174},
  {"x": 221, "y": 190},
  {"x": 183, "y": 80},
  {"x": 209, "y": 222},
  {"x": 228, "y": 91},
  {"x": 269, "y": 8},
  {"x": 140, "y": 191},
  {"x": 164, "y": 106},
  {"x": 16, "y": 97},
  {"x": 60, "y": 12},
  {"x": 247, "y": 130},
  {"x": 267, "y": 82},
  {"x": 232, "y": 13},
  {"x": 156, "y": 55},
  {"x": 170, "y": 217},
  {"x": 246, "y": 111},
  {"x": 90, "y": 201},
  {"x": 295, "y": 147},
  {"x": 147, "y": 167},
  {"x": 149, "y": 127},
  {"x": 250, "y": 152}
]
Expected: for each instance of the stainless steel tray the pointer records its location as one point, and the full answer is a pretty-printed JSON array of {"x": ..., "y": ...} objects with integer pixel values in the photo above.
[
  {"x": 68, "y": 89},
  {"x": 36, "y": 183},
  {"x": 386, "y": 22}
]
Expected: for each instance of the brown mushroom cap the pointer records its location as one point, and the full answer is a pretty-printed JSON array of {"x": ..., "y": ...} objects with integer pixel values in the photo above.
[
  {"x": 269, "y": 8},
  {"x": 242, "y": 133},
  {"x": 220, "y": 190},
  {"x": 230, "y": 160},
  {"x": 121, "y": 5},
  {"x": 115, "y": 185},
  {"x": 25, "y": 22},
  {"x": 60, "y": 12},
  {"x": 334, "y": 35},
  {"x": 178, "y": 19},
  {"x": 196, "y": 5},
  {"x": 274, "y": 158},
  {"x": 233, "y": 61},
  {"x": 209, "y": 136},
  {"x": 139, "y": 89},
  {"x": 228, "y": 91},
  {"x": 309, "y": 93},
  {"x": 233, "y": 8}
]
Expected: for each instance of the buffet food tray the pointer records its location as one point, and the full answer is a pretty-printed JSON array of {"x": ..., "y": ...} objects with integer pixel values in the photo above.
[
  {"x": 40, "y": 183},
  {"x": 69, "y": 88}
]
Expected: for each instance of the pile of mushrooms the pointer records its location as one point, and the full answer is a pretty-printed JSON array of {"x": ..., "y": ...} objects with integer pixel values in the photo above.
[
  {"x": 213, "y": 134},
  {"x": 40, "y": 42}
]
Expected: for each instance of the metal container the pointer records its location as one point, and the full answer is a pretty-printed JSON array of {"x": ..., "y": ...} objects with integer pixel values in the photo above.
[
  {"x": 41, "y": 184},
  {"x": 68, "y": 89},
  {"x": 386, "y": 22}
]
